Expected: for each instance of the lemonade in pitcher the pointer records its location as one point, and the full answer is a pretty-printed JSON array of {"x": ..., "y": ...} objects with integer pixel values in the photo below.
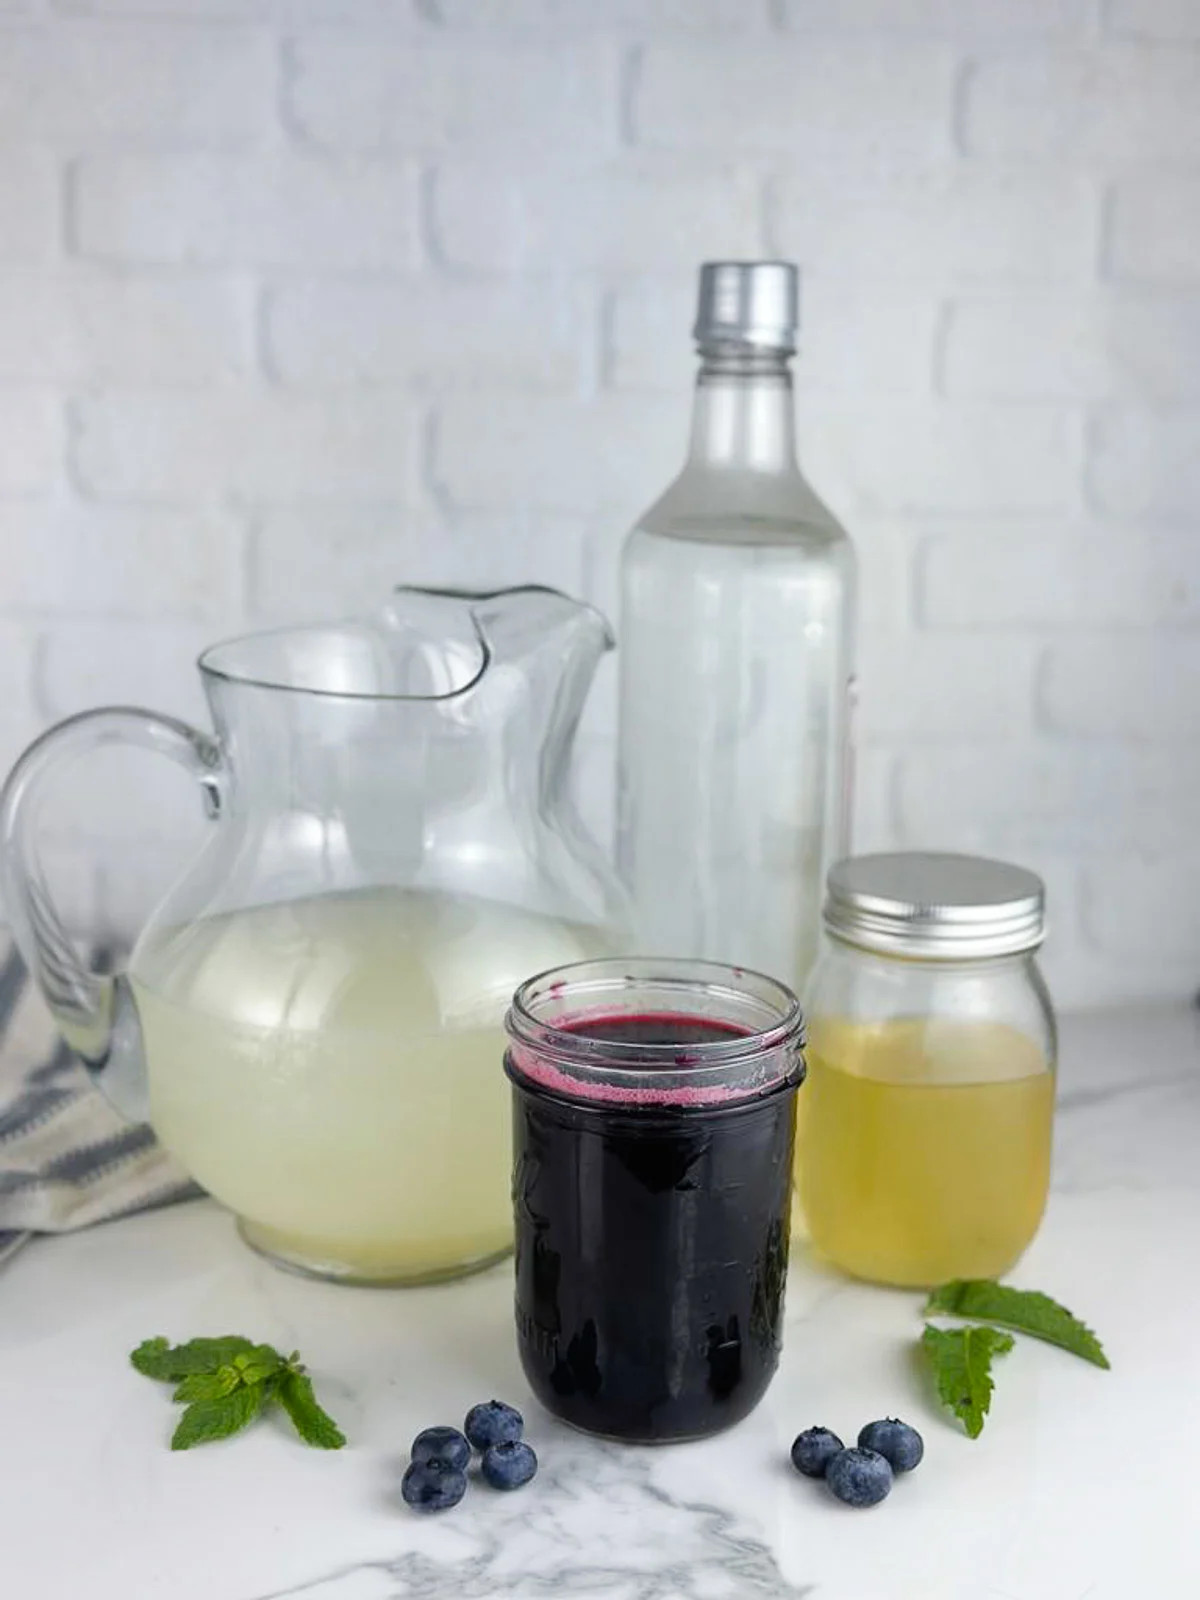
[{"x": 332, "y": 1068}]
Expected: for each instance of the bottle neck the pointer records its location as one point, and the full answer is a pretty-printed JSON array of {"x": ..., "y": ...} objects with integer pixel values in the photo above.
[{"x": 743, "y": 418}]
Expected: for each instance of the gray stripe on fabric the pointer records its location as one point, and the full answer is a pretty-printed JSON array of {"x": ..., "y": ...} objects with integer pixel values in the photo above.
[
  {"x": 18, "y": 1182},
  {"x": 171, "y": 1194},
  {"x": 62, "y": 1062},
  {"x": 36, "y": 1106},
  {"x": 93, "y": 1160},
  {"x": 12, "y": 981},
  {"x": 83, "y": 1166},
  {"x": 10, "y": 1243}
]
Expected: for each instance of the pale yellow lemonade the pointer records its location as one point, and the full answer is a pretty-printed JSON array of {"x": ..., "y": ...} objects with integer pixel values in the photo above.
[
  {"x": 331, "y": 1070},
  {"x": 923, "y": 1147}
]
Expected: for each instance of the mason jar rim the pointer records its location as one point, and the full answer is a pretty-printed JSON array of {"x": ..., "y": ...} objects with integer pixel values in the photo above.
[{"x": 551, "y": 1045}]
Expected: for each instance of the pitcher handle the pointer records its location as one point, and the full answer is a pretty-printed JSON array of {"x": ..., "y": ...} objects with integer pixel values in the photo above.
[{"x": 93, "y": 1010}]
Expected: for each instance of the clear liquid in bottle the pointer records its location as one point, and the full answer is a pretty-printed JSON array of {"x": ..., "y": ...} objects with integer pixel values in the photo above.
[{"x": 736, "y": 658}]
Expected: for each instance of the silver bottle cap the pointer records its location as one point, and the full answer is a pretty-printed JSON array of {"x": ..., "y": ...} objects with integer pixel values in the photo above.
[
  {"x": 749, "y": 303},
  {"x": 938, "y": 907}
]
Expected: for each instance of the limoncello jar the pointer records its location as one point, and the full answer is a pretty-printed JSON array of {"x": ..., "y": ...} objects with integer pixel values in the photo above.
[{"x": 923, "y": 1144}]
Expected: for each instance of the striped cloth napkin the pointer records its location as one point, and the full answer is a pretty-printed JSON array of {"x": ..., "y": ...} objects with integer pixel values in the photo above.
[{"x": 67, "y": 1159}]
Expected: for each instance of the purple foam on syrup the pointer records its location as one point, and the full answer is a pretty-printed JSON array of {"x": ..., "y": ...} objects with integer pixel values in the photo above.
[
  {"x": 629, "y": 1030},
  {"x": 544, "y": 1073}
]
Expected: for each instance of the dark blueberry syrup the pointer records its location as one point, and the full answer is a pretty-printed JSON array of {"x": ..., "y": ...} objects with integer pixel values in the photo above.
[{"x": 651, "y": 1243}]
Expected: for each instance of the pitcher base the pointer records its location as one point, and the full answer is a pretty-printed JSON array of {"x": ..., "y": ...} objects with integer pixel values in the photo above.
[{"x": 285, "y": 1253}]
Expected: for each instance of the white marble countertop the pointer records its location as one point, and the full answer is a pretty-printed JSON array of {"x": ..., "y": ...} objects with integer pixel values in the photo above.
[{"x": 1084, "y": 1486}]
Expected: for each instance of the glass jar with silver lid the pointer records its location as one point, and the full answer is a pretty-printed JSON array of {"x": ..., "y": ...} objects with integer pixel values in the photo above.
[{"x": 923, "y": 1146}]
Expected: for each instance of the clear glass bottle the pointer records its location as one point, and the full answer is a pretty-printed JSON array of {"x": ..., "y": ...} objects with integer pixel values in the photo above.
[
  {"x": 923, "y": 1139},
  {"x": 736, "y": 645}
]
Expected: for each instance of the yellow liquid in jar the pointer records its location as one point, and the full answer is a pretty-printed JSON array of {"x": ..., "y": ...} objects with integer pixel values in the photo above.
[
  {"x": 923, "y": 1148},
  {"x": 331, "y": 1069}
]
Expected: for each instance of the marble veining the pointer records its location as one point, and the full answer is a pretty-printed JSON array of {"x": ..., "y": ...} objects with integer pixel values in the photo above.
[{"x": 596, "y": 1524}]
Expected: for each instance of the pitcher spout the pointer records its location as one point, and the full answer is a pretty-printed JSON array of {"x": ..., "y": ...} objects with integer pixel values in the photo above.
[
  {"x": 541, "y": 649},
  {"x": 515, "y": 623}
]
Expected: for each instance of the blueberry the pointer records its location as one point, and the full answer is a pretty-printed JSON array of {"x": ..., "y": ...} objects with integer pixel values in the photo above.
[
  {"x": 859, "y": 1477},
  {"x": 442, "y": 1444},
  {"x": 813, "y": 1450},
  {"x": 508, "y": 1465},
  {"x": 493, "y": 1423},
  {"x": 900, "y": 1446},
  {"x": 433, "y": 1486}
]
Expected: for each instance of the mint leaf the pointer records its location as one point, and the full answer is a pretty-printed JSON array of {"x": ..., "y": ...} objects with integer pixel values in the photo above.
[
  {"x": 1025, "y": 1310},
  {"x": 205, "y": 1420},
  {"x": 155, "y": 1358},
  {"x": 259, "y": 1362},
  {"x": 207, "y": 1386},
  {"x": 961, "y": 1361},
  {"x": 226, "y": 1382},
  {"x": 314, "y": 1425},
  {"x": 149, "y": 1357}
]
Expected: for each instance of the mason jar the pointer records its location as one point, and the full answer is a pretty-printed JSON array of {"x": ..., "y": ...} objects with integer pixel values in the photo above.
[
  {"x": 923, "y": 1142},
  {"x": 652, "y": 1139}
]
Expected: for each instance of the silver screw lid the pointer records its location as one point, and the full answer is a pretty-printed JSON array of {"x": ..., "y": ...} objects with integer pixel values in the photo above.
[
  {"x": 751, "y": 303},
  {"x": 935, "y": 906}
]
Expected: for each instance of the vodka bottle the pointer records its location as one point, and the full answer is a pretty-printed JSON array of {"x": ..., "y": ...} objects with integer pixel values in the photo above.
[{"x": 736, "y": 648}]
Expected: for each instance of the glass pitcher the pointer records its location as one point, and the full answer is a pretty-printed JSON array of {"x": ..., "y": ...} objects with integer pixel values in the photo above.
[{"x": 313, "y": 1017}]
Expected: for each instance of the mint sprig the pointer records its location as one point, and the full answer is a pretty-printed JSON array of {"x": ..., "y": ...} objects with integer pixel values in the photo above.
[
  {"x": 1024, "y": 1310},
  {"x": 961, "y": 1358},
  {"x": 961, "y": 1361},
  {"x": 226, "y": 1382}
]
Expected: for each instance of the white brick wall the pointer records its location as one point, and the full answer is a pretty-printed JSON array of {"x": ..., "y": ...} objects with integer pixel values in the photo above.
[
  {"x": 1120, "y": 104},
  {"x": 361, "y": 555},
  {"x": 947, "y": 222},
  {"x": 932, "y": 457},
  {"x": 253, "y": 210},
  {"x": 927, "y": 688},
  {"x": 117, "y": 83},
  {"x": 994, "y": 19},
  {"x": 301, "y": 298},
  {"x": 31, "y": 442},
  {"x": 388, "y": 334},
  {"x": 454, "y": 95},
  {"x": 29, "y": 204},
  {"x": 1077, "y": 347},
  {"x": 1140, "y": 692},
  {"x": 117, "y": 562},
  {"x": 82, "y": 330},
  {"x": 627, "y": 215},
  {"x": 240, "y": 445},
  {"x": 1147, "y": 463},
  {"x": 1094, "y": 576},
  {"x": 791, "y": 97},
  {"x": 554, "y": 456},
  {"x": 1154, "y": 19},
  {"x": 1155, "y": 230}
]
